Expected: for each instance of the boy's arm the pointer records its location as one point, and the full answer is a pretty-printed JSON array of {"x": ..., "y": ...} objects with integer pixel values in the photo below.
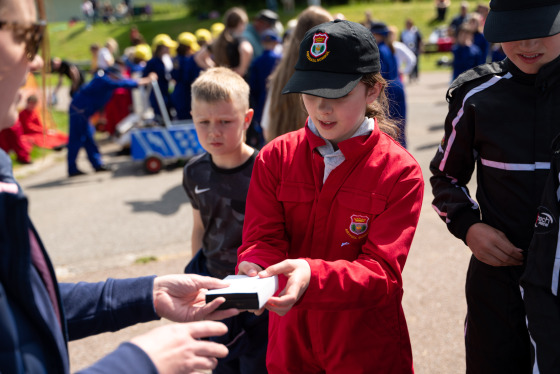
[
  {"x": 197, "y": 232},
  {"x": 452, "y": 168}
]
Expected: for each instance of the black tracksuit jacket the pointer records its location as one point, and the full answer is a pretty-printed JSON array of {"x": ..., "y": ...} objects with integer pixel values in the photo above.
[{"x": 502, "y": 121}]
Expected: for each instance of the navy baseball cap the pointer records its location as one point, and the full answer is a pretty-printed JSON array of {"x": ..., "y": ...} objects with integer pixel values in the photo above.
[
  {"x": 333, "y": 58},
  {"x": 114, "y": 71},
  {"x": 379, "y": 28},
  {"x": 270, "y": 35},
  {"x": 510, "y": 20}
]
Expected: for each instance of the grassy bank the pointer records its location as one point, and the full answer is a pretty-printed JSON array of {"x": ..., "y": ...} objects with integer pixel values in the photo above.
[{"x": 72, "y": 42}]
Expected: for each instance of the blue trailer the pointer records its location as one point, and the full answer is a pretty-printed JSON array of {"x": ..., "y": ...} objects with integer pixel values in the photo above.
[
  {"x": 155, "y": 145},
  {"x": 171, "y": 142}
]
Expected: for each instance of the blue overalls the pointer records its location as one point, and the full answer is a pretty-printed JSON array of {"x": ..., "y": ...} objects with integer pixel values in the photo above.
[{"x": 88, "y": 100}]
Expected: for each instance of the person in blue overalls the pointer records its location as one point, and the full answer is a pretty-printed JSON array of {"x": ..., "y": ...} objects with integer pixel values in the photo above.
[
  {"x": 185, "y": 71},
  {"x": 88, "y": 100},
  {"x": 390, "y": 72},
  {"x": 161, "y": 64}
]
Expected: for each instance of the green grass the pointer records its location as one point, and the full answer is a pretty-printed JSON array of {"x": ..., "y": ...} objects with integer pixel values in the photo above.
[
  {"x": 145, "y": 259},
  {"x": 61, "y": 120},
  {"x": 72, "y": 42}
]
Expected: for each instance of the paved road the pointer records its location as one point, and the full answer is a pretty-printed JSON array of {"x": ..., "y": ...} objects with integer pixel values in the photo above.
[{"x": 97, "y": 225}]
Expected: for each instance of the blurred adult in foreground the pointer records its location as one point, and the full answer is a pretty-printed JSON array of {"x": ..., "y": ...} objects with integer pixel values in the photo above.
[
  {"x": 38, "y": 315},
  {"x": 285, "y": 113}
]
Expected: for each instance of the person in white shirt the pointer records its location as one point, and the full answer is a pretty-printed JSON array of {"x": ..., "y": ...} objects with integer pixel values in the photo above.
[
  {"x": 106, "y": 55},
  {"x": 406, "y": 59}
]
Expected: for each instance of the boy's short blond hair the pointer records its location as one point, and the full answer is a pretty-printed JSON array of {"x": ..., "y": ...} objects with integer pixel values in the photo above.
[{"x": 221, "y": 84}]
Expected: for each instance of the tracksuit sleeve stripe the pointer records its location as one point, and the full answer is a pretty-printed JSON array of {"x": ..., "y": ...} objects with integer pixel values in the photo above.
[
  {"x": 492, "y": 81},
  {"x": 556, "y": 267}
]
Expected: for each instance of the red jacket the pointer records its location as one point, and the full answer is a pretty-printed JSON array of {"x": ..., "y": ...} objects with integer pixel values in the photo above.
[{"x": 355, "y": 231}]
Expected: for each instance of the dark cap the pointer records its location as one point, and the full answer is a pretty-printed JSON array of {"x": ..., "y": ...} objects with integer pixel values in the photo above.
[
  {"x": 270, "y": 35},
  {"x": 268, "y": 16},
  {"x": 379, "y": 28},
  {"x": 510, "y": 20},
  {"x": 333, "y": 57},
  {"x": 114, "y": 71}
]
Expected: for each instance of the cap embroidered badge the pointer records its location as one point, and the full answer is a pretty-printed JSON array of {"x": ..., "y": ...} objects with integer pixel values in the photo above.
[{"x": 319, "y": 46}]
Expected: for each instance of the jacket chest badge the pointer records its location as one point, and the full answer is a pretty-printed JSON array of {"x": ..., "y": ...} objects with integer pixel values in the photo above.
[{"x": 358, "y": 226}]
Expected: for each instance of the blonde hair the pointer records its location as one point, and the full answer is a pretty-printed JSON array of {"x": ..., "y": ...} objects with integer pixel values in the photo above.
[
  {"x": 286, "y": 111},
  {"x": 379, "y": 109},
  {"x": 112, "y": 45},
  {"x": 221, "y": 84},
  {"x": 232, "y": 19}
]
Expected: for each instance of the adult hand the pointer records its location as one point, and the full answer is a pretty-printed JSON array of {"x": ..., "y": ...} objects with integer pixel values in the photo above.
[
  {"x": 147, "y": 79},
  {"x": 182, "y": 298},
  {"x": 174, "y": 348},
  {"x": 249, "y": 268},
  {"x": 299, "y": 275},
  {"x": 492, "y": 247}
]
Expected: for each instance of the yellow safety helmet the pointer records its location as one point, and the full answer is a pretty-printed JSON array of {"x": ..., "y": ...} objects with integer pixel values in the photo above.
[
  {"x": 188, "y": 39},
  {"x": 142, "y": 52},
  {"x": 203, "y": 35},
  {"x": 216, "y": 29},
  {"x": 164, "y": 39}
]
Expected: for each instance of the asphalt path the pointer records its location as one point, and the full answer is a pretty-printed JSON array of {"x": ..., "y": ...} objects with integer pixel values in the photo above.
[{"x": 112, "y": 224}]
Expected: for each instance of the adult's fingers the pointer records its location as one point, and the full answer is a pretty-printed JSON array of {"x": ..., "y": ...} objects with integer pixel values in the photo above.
[
  {"x": 204, "y": 329},
  {"x": 204, "y": 363},
  {"x": 208, "y": 282},
  {"x": 219, "y": 315},
  {"x": 205, "y": 348}
]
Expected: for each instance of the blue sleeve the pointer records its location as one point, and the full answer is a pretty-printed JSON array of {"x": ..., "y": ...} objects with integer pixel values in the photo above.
[
  {"x": 127, "y": 358},
  {"x": 112, "y": 84},
  {"x": 147, "y": 69},
  {"x": 93, "y": 308},
  {"x": 254, "y": 76},
  {"x": 127, "y": 83},
  {"x": 179, "y": 68}
]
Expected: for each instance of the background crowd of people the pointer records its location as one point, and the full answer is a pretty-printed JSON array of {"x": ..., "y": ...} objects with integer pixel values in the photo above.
[{"x": 262, "y": 50}]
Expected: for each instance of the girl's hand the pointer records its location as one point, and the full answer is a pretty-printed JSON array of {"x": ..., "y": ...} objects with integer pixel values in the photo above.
[
  {"x": 299, "y": 275},
  {"x": 249, "y": 268}
]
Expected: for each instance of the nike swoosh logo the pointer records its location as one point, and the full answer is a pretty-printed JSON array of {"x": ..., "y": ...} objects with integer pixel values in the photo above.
[{"x": 199, "y": 191}]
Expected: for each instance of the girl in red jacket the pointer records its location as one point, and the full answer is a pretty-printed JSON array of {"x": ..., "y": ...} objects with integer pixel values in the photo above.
[{"x": 333, "y": 208}]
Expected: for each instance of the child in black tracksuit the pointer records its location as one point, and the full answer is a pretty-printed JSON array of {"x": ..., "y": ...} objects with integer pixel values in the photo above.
[{"x": 502, "y": 118}]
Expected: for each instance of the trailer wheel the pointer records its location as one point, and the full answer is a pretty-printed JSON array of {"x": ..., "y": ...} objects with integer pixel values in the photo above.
[{"x": 153, "y": 164}]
